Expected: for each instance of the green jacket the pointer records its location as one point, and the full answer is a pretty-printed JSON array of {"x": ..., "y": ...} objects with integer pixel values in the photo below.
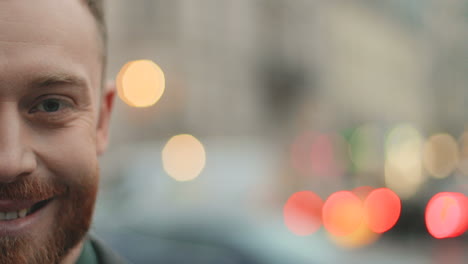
[{"x": 96, "y": 252}]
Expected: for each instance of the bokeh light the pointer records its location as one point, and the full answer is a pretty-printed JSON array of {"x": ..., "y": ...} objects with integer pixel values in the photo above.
[
  {"x": 365, "y": 148},
  {"x": 326, "y": 155},
  {"x": 300, "y": 153},
  {"x": 382, "y": 209},
  {"x": 342, "y": 213},
  {"x": 447, "y": 215},
  {"x": 140, "y": 83},
  {"x": 361, "y": 237},
  {"x": 303, "y": 213},
  {"x": 318, "y": 154},
  {"x": 403, "y": 164},
  {"x": 183, "y": 157},
  {"x": 441, "y": 155}
]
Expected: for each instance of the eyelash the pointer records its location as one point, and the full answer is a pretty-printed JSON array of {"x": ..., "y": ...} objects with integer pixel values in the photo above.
[{"x": 63, "y": 104}]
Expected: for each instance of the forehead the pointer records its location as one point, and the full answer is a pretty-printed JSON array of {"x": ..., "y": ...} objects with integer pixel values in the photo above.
[{"x": 47, "y": 36}]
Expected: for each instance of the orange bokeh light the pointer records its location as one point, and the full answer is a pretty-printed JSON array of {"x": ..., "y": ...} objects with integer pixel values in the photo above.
[
  {"x": 302, "y": 213},
  {"x": 361, "y": 237},
  {"x": 447, "y": 215},
  {"x": 140, "y": 83},
  {"x": 184, "y": 157},
  {"x": 342, "y": 213},
  {"x": 382, "y": 209}
]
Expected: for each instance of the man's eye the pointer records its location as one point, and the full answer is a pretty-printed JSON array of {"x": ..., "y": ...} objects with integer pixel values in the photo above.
[{"x": 50, "y": 105}]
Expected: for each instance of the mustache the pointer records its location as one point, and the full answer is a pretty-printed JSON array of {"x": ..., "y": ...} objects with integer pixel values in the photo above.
[{"x": 31, "y": 188}]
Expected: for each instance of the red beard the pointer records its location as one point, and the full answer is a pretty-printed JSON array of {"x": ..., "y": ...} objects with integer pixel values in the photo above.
[{"x": 71, "y": 221}]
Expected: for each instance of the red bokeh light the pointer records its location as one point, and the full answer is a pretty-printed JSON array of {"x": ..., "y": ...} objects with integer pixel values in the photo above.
[
  {"x": 317, "y": 154},
  {"x": 382, "y": 209},
  {"x": 322, "y": 156},
  {"x": 342, "y": 213},
  {"x": 303, "y": 212},
  {"x": 300, "y": 153},
  {"x": 447, "y": 215}
]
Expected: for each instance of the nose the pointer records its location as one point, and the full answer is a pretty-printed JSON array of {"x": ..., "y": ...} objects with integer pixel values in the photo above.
[{"x": 16, "y": 158}]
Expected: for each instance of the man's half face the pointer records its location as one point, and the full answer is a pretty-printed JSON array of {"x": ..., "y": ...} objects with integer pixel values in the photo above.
[{"x": 51, "y": 129}]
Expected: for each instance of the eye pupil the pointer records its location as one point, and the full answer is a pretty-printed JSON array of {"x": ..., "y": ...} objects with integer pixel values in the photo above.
[{"x": 51, "y": 106}]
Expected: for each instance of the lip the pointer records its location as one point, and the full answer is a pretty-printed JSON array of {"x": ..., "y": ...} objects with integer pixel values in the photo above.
[
  {"x": 16, "y": 205},
  {"x": 25, "y": 224}
]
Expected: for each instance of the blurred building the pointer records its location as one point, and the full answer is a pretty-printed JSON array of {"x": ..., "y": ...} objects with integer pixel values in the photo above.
[{"x": 361, "y": 61}]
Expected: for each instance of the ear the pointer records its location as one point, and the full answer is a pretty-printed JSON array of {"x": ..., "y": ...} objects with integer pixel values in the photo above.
[{"x": 106, "y": 106}]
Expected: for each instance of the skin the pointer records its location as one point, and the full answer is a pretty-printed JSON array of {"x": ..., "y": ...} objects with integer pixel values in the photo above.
[{"x": 54, "y": 120}]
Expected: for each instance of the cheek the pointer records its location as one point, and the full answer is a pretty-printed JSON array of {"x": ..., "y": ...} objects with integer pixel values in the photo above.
[{"x": 68, "y": 154}]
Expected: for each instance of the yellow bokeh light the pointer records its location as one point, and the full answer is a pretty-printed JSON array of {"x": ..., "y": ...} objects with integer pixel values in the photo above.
[
  {"x": 140, "y": 83},
  {"x": 441, "y": 155},
  {"x": 403, "y": 164},
  {"x": 362, "y": 237},
  {"x": 183, "y": 157}
]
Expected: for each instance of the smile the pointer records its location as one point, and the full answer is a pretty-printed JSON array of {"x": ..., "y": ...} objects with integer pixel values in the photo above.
[
  {"x": 7, "y": 215},
  {"x": 20, "y": 217}
]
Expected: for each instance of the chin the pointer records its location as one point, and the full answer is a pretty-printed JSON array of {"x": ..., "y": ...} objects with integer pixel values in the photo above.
[{"x": 51, "y": 227}]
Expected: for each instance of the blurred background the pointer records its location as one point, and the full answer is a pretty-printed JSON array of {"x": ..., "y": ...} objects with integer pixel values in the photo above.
[{"x": 282, "y": 97}]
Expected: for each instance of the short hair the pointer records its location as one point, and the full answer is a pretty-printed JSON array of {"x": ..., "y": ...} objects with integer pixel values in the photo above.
[{"x": 97, "y": 10}]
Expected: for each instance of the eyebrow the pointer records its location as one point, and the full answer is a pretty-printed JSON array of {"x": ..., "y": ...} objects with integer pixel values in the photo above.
[{"x": 53, "y": 79}]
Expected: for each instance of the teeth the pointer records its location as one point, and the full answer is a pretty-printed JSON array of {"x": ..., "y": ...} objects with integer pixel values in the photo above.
[
  {"x": 14, "y": 215},
  {"x": 11, "y": 215},
  {"x": 22, "y": 213}
]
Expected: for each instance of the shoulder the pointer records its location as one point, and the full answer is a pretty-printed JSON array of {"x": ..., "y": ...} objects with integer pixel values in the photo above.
[{"x": 104, "y": 254}]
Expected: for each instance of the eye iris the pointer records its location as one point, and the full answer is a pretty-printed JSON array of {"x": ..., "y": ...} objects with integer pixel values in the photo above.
[{"x": 51, "y": 106}]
